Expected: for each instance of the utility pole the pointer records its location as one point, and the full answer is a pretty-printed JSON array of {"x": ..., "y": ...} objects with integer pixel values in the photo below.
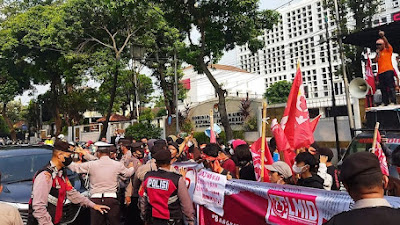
[
  {"x": 176, "y": 93},
  {"x": 344, "y": 72},
  {"x": 332, "y": 85}
]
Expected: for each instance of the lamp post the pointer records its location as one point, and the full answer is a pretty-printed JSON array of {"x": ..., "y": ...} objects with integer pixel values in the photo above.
[
  {"x": 137, "y": 52},
  {"x": 332, "y": 85},
  {"x": 176, "y": 92},
  {"x": 344, "y": 72}
]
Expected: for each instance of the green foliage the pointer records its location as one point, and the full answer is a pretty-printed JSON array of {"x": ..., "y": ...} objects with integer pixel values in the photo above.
[
  {"x": 278, "y": 92},
  {"x": 4, "y": 131},
  {"x": 16, "y": 111},
  {"x": 186, "y": 126},
  {"x": 161, "y": 112},
  {"x": 251, "y": 124},
  {"x": 8, "y": 88},
  {"x": 140, "y": 130},
  {"x": 146, "y": 116},
  {"x": 201, "y": 137}
]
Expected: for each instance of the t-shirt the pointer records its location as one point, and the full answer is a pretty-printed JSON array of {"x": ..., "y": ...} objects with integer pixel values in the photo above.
[
  {"x": 385, "y": 60},
  {"x": 230, "y": 166},
  {"x": 367, "y": 216},
  {"x": 247, "y": 173}
]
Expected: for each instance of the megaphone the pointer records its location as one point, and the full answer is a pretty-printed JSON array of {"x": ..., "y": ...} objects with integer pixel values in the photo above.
[{"x": 358, "y": 88}]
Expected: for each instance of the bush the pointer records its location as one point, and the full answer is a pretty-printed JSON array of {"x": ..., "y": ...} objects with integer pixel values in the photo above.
[
  {"x": 201, "y": 137},
  {"x": 251, "y": 124},
  {"x": 162, "y": 112},
  {"x": 140, "y": 130},
  {"x": 4, "y": 130}
]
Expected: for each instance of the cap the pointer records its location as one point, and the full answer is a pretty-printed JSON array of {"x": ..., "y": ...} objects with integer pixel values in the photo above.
[
  {"x": 137, "y": 145},
  {"x": 359, "y": 164},
  {"x": 238, "y": 142},
  {"x": 103, "y": 147},
  {"x": 162, "y": 156},
  {"x": 125, "y": 142},
  {"x": 61, "y": 146},
  {"x": 280, "y": 167},
  {"x": 175, "y": 145},
  {"x": 90, "y": 142}
]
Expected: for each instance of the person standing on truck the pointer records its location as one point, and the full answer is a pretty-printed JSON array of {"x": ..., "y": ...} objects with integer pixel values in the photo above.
[{"x": 386, "y": 72}]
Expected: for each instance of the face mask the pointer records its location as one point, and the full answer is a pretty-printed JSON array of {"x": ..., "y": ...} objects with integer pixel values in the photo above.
[
  {"x": 67, "y": 161},
  {"x": 297, "y": 170}
]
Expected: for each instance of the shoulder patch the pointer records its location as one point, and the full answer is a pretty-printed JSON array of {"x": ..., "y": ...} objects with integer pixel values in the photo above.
[{"x": 47, "y": 175}]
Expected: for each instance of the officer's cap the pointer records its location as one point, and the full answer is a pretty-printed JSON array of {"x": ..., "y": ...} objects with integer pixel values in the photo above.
[{"x": 359, "y": 164}]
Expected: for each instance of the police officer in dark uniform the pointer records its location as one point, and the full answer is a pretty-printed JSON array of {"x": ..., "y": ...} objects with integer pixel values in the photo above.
[
  {"x": 164, "y": 198},
  {"x": 363, "y": 179},
  {"x": 51, "y": 188}
]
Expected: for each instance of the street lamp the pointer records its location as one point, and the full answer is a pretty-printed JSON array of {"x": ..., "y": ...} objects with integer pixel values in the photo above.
[
  {"x": 137, "y": 52},
  {"x": 332, "y": 85}
]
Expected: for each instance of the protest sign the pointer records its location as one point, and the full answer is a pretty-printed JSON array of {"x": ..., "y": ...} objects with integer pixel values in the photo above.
[
  {"x": 192, "y": 169},
  {"x": 248, "y": 202},
  {"x": 210, "y": 190}
]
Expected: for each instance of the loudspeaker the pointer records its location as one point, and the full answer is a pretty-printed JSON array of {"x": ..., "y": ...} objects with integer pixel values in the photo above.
[{"x": 358, "y": 88}]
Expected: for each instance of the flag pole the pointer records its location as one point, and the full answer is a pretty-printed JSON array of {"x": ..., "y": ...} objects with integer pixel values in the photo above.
[
  {"x": 211, "y": 121},
  {"x": 375, "y": 137},
  {"x": 264, "y": 127}
]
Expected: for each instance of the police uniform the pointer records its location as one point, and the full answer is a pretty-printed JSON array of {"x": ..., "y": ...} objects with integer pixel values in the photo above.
[
  {"x": 51, "y": 188},
  {"x": 164, "y": 198},
  {"x": 103, "y": 176},
  {"x": 365, "y": 211}
]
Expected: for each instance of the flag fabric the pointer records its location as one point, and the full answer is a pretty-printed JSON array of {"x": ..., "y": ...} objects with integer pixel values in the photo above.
[
  {"x": 378, "y": 151},
  {"x": 369, "y": 77},
  {"x": 314, "y": 123},
  {"x": 282, "y": 144},
  {"x": 296, "y": 120},
  {"x": 256, "y": 155},
  {"x": 213, "y": 138}
]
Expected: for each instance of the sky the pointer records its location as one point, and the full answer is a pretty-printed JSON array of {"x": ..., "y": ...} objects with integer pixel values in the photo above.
[{"x": 229, "y": 58}]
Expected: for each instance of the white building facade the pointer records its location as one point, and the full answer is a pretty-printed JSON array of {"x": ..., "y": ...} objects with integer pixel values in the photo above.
[
  {"x": 300, "y": 36},
  {"x": 237, "y": 82}
]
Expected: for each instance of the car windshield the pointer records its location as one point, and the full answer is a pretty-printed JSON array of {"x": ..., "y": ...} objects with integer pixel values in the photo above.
[{"x": 22, "y": 168}]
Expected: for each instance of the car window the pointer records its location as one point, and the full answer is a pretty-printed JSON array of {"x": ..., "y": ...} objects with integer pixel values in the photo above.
[
  {"x": 20, "y": 168},
  {"x": 359, "y": 145}
]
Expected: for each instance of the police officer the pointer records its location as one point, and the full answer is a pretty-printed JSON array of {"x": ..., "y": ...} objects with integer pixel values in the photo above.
[
  {"x": 363, "y": 179},
  {"x": 51, "y": 188},
  {"x": 103, "y": 176},
  {"x": 164, "y": 198}
]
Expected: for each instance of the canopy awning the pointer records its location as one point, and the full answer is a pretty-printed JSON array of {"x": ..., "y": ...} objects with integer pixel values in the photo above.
[{"x": 368, "y": 37}]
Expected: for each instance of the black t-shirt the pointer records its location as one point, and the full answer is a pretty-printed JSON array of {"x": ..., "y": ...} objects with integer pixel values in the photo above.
[
  {"x": 367, "y": 216},
  {"x": 315, "y": 182},
  {"x": 247, "y": 173},
  {"x": 333, "y": 171}
]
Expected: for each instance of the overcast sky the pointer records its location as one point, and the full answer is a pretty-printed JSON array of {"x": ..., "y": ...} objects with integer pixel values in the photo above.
[{"x": 228, "y": 59}]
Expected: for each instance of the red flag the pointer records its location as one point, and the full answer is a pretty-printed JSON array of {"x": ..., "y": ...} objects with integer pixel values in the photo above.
[
  {"x": 369, "y": 77},
  {"x": 381, "y": 155},
  {"x": 282, "y": 143},
  {"x": 296, "y": 120},
  {"x": 314, "y": 123},
  {"x": 213, "y": 139},
  {"x": 256, "y": 154}
]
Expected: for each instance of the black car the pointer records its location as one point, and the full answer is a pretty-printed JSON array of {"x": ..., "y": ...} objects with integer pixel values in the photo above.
[{"x": 18, "y": 165}]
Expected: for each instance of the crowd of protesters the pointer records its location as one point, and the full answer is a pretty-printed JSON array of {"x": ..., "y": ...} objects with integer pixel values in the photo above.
[{"x": 127, "y": 177}]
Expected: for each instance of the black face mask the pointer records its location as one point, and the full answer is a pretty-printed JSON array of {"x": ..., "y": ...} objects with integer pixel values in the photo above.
[{"x": 67, "y": 161}]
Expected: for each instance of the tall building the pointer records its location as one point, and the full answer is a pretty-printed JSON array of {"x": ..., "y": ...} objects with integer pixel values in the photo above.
[{"x": 300, "y": 35}]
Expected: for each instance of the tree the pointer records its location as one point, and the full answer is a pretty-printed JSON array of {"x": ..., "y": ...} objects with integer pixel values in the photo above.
[
  {"x": 222, "y": 24},
  {"x": 362, "y": 13},
  {"x": 113, "y": 25},
  {"x": 42, "y": 39},
  {"x": 278, "y": 92},
  {"x": 8, "y": 90}
]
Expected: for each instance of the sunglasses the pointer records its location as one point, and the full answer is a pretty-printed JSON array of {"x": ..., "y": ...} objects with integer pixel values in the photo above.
[{"x": 378, "y": 44}]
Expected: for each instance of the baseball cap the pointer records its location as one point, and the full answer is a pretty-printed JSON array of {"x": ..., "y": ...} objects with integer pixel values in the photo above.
[
  {"x": 359, "y": 164},
  {"x": 280, "y": 167},
  {"x": 238, "y": 142}
]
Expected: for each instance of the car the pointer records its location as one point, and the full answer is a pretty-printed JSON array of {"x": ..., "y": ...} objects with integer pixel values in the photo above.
[
  {"x": 363, "y": 142},
  {"x": 18, "y": 165}
]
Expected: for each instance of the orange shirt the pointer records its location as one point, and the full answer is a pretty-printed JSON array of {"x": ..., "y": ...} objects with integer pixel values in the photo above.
[{"x": 385, "y": 60}]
